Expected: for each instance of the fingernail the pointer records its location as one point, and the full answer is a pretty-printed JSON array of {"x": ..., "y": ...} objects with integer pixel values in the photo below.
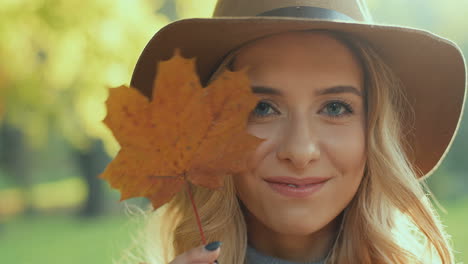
[
  {"x": 213, "y": 246},
  {"x": 216, "y": 262}
]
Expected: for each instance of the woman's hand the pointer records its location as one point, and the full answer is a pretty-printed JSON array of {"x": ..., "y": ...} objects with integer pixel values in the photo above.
[{"x": 199, "y": 255}]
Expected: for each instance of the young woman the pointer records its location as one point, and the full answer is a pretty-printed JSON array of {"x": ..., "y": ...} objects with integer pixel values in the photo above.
[{"x": 354, "y": 116}]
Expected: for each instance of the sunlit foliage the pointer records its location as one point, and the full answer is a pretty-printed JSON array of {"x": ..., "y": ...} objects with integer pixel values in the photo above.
[{"x": 59, "y": 57}]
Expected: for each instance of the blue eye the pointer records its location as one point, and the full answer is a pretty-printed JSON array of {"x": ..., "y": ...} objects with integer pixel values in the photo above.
[
  {"x": 337, "y": 109},
  {"x": 263, "y": 109}
]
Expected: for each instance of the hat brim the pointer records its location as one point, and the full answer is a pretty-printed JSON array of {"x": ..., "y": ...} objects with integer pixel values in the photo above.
[{"x": 432, "y": 69}]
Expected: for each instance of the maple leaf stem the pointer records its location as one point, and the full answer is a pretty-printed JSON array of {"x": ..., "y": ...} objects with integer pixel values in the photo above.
[{"x": 200, "y": 228}]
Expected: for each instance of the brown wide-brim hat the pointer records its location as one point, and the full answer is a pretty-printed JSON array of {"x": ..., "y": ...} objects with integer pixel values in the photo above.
[{"x": 431, "y": 68}]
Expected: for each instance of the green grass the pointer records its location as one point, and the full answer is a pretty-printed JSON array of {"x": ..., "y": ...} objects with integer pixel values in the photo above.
[
  {"x": 63, "y": 240},
  {"x": 456, "y": 221},
  {"x": 69, "y": 240}
]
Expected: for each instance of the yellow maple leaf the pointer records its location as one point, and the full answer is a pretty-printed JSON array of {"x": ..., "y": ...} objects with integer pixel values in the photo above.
[{"x": 186, "y": 133}]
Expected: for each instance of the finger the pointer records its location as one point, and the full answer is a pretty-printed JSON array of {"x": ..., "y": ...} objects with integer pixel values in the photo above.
[{"x": 202, "y": 254}]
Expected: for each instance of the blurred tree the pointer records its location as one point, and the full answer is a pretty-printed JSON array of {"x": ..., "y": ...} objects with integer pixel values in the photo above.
[
  {"x": 92, "y": 163},
  {"x": 2, "y": 93},
  {"x": 194, "y": 8},
  {"x": 17, "y": 161},
  {"x": 169, "y": 10},
  {"x": 59, "y": 57},
  {"x": 58, "y": 60}
]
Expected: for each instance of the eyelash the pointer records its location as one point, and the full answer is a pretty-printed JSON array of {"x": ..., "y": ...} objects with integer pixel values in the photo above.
[{"x": 347, "y": 108}]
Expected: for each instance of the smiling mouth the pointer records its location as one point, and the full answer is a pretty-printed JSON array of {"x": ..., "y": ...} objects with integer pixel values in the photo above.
[
  {"x": 296, "y": 182},
  {"x": 296, "y": 186},
  {"x": 291, "y": 190}
]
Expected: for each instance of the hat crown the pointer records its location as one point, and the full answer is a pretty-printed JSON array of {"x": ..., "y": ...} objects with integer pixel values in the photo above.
[{"x": 355, "y": 9}]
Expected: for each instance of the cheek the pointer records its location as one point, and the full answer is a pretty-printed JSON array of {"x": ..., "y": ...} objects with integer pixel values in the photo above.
[
  {"x": 253, "y": 197},
  {"x": 268, "y": 131},
  {"x": 345, "y": 148},
  {"x": 345, "y": 151}
]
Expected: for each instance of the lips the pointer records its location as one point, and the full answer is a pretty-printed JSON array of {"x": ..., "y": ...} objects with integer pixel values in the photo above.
[
  {"x": 291, "y": 187},
  {"x": 296, "y": 182}
]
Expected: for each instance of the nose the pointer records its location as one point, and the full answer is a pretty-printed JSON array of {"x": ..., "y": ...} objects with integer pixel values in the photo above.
[{"x": 298, "y": 145}]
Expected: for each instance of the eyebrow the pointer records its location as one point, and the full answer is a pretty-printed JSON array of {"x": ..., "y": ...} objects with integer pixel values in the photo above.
[{"x": 329, "y": 90}]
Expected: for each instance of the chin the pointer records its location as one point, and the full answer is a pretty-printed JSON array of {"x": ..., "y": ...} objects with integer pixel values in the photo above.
[
  {"x": 289, "y": 224},
  {"x": 295, "y": 230}
]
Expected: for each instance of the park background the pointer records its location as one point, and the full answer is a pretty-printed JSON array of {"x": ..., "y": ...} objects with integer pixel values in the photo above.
[{"x": 58, "y": 58}]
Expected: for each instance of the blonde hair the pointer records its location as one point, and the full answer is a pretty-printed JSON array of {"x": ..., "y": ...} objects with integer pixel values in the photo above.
[{"x": 390, "y": 219}]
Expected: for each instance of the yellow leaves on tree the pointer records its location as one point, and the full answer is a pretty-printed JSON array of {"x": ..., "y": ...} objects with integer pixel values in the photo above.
[{"x": 186, "y": 133}]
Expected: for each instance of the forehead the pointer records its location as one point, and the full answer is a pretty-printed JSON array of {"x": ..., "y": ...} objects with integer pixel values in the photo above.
[{"x": 316, "y": 56}]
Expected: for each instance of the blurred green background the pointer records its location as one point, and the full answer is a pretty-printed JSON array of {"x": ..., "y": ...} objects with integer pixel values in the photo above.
[{"x": 57, "y": 59}]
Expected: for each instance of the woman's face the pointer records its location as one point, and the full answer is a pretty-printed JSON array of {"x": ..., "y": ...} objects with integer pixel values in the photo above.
[{"x": 312, "y": 115}]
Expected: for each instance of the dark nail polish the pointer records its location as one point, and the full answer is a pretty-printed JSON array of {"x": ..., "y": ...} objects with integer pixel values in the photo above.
[
  {"x": 216, "y": 262},
  {"x": 213, "y": 246}
]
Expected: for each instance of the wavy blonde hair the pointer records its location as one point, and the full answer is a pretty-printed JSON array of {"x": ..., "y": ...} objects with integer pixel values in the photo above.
[{"x": 390, "y": 219}]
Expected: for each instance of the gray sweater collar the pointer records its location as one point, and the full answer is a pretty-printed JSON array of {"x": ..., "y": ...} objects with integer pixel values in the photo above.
[{"x": 255, "y": 257}]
